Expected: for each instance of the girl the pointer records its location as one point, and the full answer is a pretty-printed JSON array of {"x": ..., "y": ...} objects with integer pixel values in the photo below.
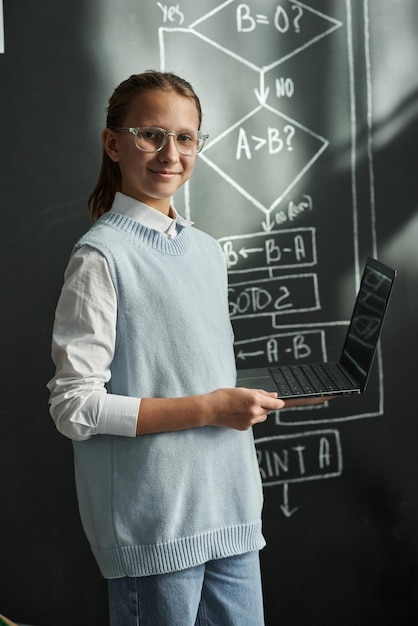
[{"x": 167, "y": 478}]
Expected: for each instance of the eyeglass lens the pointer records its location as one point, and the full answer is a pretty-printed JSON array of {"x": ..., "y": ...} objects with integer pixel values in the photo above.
[{"x": 152, "y": 139}]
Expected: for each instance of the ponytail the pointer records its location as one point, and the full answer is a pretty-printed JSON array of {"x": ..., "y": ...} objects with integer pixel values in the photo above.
[{"x": 108, "y": 183}]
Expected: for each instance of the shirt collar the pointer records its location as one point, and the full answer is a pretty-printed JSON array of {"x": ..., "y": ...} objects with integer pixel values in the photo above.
[{"x": 149, "y": 217}]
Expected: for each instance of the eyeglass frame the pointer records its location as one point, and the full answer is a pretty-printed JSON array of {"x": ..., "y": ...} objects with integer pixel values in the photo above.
[{"x": 134, "y": 131}]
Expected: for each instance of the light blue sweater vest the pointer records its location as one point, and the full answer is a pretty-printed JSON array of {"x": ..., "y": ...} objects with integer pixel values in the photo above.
[{"x": 165, "y": 502}]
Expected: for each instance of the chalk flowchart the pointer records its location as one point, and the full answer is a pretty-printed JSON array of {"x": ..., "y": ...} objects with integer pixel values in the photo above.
[{"x": 273, "y": 266}]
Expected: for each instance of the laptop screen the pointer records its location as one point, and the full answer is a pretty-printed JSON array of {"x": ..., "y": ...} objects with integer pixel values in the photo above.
[{"x": 366, "y": 322}]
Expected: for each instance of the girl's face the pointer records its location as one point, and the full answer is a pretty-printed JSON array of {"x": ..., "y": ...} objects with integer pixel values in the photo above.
[{"x": 153, "y": 177}]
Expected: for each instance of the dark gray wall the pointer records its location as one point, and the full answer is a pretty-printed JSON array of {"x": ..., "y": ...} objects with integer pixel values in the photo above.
[{"x": 341, "y": 505}]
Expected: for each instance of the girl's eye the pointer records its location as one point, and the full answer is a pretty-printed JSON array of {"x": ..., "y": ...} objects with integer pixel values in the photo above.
[
  {"x": 152, "y": 135},
  {"x": 185, "y": 138}
]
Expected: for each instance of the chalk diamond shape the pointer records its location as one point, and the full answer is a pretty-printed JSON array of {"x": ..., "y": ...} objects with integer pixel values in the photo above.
[
  {"x": 266, "y": 33},
  {"x": 265, "y": 140}
]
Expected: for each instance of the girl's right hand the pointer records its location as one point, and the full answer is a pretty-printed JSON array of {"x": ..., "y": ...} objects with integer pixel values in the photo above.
[{"x": 239, "y": 408}]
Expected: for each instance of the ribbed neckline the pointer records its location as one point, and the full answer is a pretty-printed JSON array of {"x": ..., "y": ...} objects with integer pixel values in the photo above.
[{"x": 176, "y": 246}]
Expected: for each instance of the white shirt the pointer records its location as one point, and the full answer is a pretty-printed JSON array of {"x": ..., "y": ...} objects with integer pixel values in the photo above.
[{"x": 83, "y": 349}]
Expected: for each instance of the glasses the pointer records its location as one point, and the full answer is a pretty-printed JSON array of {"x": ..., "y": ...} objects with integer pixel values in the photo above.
[{"x": 153, "y": 139}]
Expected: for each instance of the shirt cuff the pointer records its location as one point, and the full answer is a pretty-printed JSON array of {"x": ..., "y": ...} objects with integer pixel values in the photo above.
[{"x": 118, "y": 416}]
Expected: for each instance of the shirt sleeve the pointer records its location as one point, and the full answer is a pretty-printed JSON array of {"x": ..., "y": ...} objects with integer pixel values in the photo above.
[{"x": 83, "y": 345}]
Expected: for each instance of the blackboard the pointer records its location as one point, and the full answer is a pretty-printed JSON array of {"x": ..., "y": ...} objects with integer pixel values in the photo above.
[{"x": 311, "y": 165}]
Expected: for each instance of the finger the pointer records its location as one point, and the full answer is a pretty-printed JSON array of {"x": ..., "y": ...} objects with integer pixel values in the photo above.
[
  {"x": 273, "y": 404},
  {"x": 270, "y": 394},
  {"x": 273, "y": 409}
]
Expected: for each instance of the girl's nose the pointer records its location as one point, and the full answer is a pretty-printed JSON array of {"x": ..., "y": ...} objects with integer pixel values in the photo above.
[{"x": 169, "y": 152}]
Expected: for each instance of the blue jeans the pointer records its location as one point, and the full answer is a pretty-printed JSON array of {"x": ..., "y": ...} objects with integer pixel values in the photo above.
[{"x": 224, "y": 592}]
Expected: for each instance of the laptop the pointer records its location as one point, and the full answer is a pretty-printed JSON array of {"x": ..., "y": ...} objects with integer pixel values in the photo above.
[{"x": 350, "y": 374}]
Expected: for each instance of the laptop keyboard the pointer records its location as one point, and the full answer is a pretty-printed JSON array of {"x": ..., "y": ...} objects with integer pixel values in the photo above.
[{"x": 305, "y": 379}]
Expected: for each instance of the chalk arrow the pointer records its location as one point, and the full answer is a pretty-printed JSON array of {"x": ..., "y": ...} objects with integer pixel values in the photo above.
[
  {"x": 285, "y": 506},
  {"x": 245, "y": 252},
  {"x": 267, "y": 225},
  {"x": 262, "y": 95},
  {"x": 243, "y": 355},
  {"x": 263, "y": 92}
]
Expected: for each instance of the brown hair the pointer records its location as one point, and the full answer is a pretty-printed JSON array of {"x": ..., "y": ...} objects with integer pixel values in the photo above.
[{"x": 109, "y": 180}]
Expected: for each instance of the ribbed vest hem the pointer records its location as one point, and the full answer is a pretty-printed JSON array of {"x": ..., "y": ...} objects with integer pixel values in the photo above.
[{"x": 147, "y": 560}]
